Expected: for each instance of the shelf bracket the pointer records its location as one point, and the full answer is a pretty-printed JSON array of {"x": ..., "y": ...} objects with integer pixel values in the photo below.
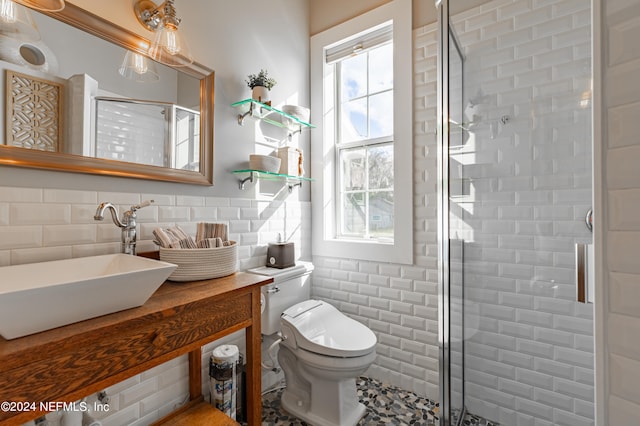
[
  {"x": 241, "y": 117},
  {"x": 292, "y": 133},
  {"x": 293, "y": 185},
  {"x": 245, "y": 180}
]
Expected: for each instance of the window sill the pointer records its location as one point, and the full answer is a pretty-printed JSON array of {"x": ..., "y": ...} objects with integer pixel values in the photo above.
[
  {"x": 364, "y": 250},
  {"x": 386, "y": 241}
]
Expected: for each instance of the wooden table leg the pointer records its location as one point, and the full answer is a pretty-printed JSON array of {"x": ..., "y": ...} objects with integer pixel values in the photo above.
[
  {"x": 254, "y": 374},
  {"x": 195, "y": 374}
]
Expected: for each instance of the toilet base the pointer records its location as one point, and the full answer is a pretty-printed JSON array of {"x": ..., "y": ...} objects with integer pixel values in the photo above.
[{"x": 321, "y": 396}]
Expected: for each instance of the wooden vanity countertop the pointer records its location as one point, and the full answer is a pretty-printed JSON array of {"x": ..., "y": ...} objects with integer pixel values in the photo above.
[
  {"x": 76, "y": 360},
  {"x": 168, "y": 297}
]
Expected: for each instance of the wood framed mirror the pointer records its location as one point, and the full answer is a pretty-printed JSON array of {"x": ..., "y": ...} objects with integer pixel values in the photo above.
[{"x": 200, "y": 170}]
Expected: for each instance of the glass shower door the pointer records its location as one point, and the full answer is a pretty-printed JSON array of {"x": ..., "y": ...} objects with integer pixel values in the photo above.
[{"x": 516, "y": 186}]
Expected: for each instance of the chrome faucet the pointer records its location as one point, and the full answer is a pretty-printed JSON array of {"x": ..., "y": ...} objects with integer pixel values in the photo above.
[{"x": 127, "y": 224}]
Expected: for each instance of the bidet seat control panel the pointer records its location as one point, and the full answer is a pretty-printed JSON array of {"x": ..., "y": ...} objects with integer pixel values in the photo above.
[{"x": 301, "y": 308}]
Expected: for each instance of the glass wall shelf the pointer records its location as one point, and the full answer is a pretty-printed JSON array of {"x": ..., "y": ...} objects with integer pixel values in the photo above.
[
  {"x": 270, "y": 115},
  {"x": 292, "y": 181}
]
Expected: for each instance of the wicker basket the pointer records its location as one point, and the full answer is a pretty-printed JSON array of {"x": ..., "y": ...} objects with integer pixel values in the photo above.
[{"x": 201, "y": 264}]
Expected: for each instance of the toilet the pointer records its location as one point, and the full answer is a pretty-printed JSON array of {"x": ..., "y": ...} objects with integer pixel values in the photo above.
[{"x": 322, "y": 350}]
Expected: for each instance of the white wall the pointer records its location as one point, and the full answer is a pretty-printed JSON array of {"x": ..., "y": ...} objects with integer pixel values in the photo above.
[{"x": 619, "y": 354}]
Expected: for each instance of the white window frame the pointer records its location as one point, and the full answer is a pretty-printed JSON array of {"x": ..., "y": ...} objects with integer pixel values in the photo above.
[{"x": 323, "y": 156}]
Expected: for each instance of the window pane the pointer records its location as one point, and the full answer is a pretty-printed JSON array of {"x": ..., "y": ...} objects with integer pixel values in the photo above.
[
  {"x": 353, "y": 77},
  {"x": 353, "y": 123},
  {"x": 381, "y": 68},
  {"x": 381, "y": 115},
  {"x": 381, "y": 166},
  {"x": 366, "y": 183},
  {"x": 353, "y": 214},
  {"x": 353, "y": 163},
  {"x": 381, "y": 214}
]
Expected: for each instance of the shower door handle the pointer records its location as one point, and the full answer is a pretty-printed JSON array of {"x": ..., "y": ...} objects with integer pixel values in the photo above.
[
  {"x": 581, "y": 273},
  {"x": 585, "y": 273}
]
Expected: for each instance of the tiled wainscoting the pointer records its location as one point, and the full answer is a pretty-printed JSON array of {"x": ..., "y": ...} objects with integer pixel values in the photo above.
[
  {"x": 40, "y": 224},
  {"x": 46, "y": 224}
]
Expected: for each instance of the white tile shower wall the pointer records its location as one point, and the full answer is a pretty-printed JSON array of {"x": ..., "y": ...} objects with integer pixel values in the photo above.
[
  {"x": 621, "y": 192},
  {"x": 132, "y": 132},
  {"x": 400, "y": 302},
  {"x": 528, "y": 189},
  {"x": 40, "y": 224}
]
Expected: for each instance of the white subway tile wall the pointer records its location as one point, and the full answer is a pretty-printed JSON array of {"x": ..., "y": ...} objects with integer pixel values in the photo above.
[
  {"x": 531, "y": 344},
  {"x": 400, "y": 302},
  {"x": 132, "y": 132},
  {"x": 49, "y": 224},
  {"x": 522, "y": 210},
  {"x": 621, "y": 186}
]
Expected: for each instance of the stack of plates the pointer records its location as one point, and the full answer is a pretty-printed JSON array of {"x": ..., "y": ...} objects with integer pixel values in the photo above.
[{"x": 265, "y": 163}]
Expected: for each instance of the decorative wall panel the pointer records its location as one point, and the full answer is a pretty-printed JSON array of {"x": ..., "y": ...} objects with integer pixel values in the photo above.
[{"x": 34, "y": 112}]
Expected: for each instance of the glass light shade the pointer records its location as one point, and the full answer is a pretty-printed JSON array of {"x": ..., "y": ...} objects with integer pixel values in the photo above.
[
  {"x": 16, "y": 22},
  {"x": 46, "y": 5},
  {"x": 170, "y": 48},
  {"x": 138, "y": 68}
]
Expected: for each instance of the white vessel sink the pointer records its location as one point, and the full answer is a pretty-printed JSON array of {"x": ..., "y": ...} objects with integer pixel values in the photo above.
[{"x": 41, "y": 296}]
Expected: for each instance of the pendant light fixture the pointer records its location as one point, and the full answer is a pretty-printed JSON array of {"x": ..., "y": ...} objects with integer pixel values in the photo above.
[
  {"x": 169, "y": 46},
  {"x": 138, "y": 68},
  {"x": 16, "y": 22}
]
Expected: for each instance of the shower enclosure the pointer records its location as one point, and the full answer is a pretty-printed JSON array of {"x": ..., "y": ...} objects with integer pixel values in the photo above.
[
  {"x": 515, "y": 186},
  {"x": 146, "y": 132}
]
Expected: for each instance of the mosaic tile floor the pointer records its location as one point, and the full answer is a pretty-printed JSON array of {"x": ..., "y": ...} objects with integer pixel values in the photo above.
[{"x": 386, "y": 405}]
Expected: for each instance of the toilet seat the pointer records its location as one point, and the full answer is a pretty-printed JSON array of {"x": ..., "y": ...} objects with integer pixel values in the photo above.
[{"x": 320, "y": 328}]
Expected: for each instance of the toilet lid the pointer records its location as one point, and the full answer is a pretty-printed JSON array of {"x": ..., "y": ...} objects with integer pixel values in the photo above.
[{"x": 322, "y": 329}]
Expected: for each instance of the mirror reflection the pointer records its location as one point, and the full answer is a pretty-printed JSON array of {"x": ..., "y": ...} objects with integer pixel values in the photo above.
[{"x": 68, "y": 91}]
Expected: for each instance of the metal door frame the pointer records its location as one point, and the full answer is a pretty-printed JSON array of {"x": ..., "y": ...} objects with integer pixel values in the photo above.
[{"x": 444, "y": 273}]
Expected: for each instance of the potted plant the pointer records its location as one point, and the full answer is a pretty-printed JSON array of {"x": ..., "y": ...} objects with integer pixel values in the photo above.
[{"x": 260, "y": 84}]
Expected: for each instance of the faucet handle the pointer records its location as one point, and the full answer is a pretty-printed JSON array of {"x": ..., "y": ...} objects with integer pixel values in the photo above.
[{"x": 141, "y": 205}]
